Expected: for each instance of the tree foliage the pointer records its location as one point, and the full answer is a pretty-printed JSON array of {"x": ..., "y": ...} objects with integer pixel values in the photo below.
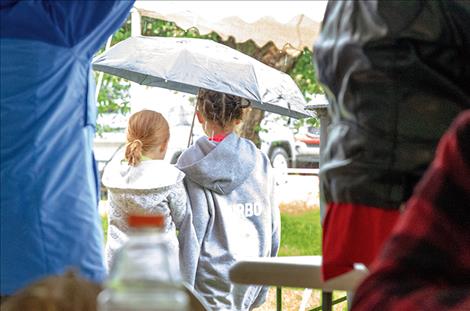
[
  {"x": 304, "y": 75},
  {"x": 160, "y": 28}
]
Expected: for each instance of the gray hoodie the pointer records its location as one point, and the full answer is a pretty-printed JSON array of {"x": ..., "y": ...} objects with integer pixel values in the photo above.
[{"x": 233, "y": 216}]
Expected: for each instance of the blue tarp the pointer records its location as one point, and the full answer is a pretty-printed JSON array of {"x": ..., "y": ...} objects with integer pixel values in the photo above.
[{"x": 49, "y": 182}]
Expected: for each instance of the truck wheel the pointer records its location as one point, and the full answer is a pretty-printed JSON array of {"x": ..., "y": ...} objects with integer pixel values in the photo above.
[{"x": 280, "y": 162}]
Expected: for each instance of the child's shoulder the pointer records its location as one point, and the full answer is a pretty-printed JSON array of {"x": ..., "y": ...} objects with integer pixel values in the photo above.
[
  {"x": 166, "y": 173},
  {"x": 152, "y": 174}
]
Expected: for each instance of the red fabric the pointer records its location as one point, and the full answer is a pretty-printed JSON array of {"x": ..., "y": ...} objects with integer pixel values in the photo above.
[
  {"x": 353, "y": 233},
  {"x": 218, "y": 138}
]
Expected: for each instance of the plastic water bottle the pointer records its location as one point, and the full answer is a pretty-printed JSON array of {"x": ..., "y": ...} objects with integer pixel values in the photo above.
[{"x": 144, "y": 275}]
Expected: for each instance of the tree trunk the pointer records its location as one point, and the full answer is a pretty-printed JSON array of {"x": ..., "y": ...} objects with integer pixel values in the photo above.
[
  {"x": 251, "y": 125},
  {"x": 273, "y": 57}
]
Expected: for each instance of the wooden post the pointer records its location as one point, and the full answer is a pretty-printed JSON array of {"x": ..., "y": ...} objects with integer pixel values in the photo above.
[
  {"x": 326, "y": 301},
  {"x": 136, "y": 29},
  {"x": 278, "y": 298}
]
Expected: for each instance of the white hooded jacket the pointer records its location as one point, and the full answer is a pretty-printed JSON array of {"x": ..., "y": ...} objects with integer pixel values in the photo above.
[{"x": 153, "y": 186}]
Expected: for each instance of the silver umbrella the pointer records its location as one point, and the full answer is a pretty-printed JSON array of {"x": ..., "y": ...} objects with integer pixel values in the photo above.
[{"x": 185, "y": 64}]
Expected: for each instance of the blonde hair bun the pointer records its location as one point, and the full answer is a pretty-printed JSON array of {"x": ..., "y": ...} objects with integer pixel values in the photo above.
[{"x": 147, "y": 129}]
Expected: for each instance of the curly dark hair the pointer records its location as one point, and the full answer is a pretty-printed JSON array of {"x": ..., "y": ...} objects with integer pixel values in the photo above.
[{"x": 220, "y": 108}]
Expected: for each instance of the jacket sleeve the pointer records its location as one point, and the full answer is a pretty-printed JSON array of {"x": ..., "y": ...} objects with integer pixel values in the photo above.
[
  {"x": 395, "y": 75},
  {"x": 87, "y": 23},
  {"x": 177, "y": 204},
  {"x": 379, "y": 41}
]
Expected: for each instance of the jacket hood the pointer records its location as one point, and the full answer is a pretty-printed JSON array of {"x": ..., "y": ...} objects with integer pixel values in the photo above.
[
  {"x": 219, "y": 167},
  {"x": 150, "y": 174}
]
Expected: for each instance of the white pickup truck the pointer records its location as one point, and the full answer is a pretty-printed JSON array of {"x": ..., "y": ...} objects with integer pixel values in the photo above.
[{"x": 287, "y": 147}]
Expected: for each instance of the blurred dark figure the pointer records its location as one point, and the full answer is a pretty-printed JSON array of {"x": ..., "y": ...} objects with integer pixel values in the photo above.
[
  {"x": 426, "y": 263},
  {"x": 396, "y": 74},
  {"x": 67, "y": 292}
]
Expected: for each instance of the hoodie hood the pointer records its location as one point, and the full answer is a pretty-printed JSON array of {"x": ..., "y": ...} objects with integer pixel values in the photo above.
[
  {"x": 150, "y": 174},
  {"x": 220, "y": 167}
]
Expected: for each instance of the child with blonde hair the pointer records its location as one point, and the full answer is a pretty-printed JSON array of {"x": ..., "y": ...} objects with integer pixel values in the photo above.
[{"x": 143, "y": 183}]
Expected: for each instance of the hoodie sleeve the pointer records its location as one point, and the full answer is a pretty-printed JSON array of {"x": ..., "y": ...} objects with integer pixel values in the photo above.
[
  {"x": 192, "y": 230},
  {"x": 276, "y": 235},
  {"x": 276, "y": 232},
  {"x": 276, "y": 216},
  {"x": 177, "y": 203}
]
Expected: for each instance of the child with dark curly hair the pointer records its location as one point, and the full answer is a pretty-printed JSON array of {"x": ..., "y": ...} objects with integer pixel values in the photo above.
[{"x": 233, "y": 215}]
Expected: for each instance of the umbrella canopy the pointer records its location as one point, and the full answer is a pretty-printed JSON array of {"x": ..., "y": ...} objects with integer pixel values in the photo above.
[
  {"x": 294, "y": 23},
  {"x": 185, "y": 64}
]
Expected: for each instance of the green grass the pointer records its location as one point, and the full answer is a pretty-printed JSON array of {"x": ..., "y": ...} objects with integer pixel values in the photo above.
[
  {"x": 300, "y": 233},
  {"x": 104, "y": 224}
]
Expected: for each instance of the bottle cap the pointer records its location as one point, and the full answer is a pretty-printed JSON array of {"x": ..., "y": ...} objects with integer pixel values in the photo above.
[{"x": 145, "y": 221}]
